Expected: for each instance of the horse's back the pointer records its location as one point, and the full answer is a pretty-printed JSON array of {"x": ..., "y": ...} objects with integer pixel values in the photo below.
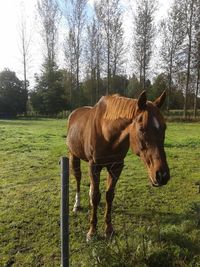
[{"x": 78, "y": 114}]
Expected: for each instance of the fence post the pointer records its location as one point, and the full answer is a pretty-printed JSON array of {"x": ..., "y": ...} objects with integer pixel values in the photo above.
[{"x": 64, "y": 211}]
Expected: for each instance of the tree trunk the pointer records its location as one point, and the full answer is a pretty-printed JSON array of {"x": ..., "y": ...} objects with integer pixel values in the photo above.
[
  {"x": 77, "y": 81},
  {"x": 196, "y": 93},
  {"x": 70, "y": 90},
  {"x": 98, "y": 78},
  {"x": 108, "y": 51},
  {"x": 188, "y": 61},
  {"x": 108, "y": 69},
  {"x": 144, "y": 65},
  {"x": 140, "y": 74},
  {"x": 144, "y": 74},
  {"x": 25, "y": 79},
  {"x": 170, "y": 85}
]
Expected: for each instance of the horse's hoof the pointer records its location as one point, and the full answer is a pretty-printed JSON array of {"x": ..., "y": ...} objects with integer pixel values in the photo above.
[
  {"x": 76, "y": 209},
  {"x": 90, "y": 235},
  {"x": 109, "y": 232},
  {"x": 109, "y": 235},
  {"x": 88, "y": 238}
]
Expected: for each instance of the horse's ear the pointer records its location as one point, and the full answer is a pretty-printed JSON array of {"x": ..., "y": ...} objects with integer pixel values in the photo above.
[
  {"x": 160, "y": 100},
  {"x": 142, "y": 100}
]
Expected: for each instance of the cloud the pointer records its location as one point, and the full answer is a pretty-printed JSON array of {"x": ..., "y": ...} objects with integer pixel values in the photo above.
[{"x": 91, "y": 2}]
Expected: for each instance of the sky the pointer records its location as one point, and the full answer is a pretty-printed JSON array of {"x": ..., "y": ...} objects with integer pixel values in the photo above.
[{"x": 10, "y": 16}]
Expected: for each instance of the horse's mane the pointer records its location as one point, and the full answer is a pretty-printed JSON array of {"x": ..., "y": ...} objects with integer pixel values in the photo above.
[{"x": 119, "y": 107}]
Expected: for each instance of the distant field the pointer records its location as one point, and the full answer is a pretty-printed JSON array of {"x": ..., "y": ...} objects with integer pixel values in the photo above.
[{"x": 154, "y": 227}]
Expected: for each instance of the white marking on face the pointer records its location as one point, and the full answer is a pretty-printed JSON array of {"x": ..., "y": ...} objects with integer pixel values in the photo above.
[
  {"x": 156, "y": 123},
  {"x": 77, "y": 201}
]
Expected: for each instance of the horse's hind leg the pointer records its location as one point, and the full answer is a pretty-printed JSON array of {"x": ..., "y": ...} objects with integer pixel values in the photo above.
[{"x": 76, "y": 170}]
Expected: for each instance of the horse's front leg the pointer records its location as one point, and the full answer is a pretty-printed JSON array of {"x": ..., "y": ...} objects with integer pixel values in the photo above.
[
  {"x": 114, "y": 171},
  {"x": 95, "y": 197},
  {"x": 76, "y": 170}
]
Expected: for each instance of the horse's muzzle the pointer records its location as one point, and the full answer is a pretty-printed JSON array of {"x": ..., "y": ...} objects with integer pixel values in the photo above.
[{"x": 162, "y": 177}]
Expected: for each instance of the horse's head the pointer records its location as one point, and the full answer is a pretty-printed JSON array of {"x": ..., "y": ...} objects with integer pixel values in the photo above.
[{"x": 147, "y": 134}]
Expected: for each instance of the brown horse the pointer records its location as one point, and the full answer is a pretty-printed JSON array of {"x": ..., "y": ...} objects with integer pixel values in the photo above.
[{"x": 102, "y": 135}]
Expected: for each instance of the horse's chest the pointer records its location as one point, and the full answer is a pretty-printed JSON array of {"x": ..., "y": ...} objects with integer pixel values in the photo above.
[
  {"x": 120, "y": 146},
  {"x": 106, "y": 152}
]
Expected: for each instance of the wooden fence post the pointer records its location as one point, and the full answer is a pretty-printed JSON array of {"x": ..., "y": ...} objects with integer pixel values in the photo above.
[{"x": 64, "y": 211}]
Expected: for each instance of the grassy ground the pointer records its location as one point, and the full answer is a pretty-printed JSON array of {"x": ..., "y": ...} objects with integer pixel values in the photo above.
[{"x": 154, "y": 227}]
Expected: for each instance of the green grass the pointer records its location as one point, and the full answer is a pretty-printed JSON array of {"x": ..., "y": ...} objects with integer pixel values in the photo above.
[{"x": 154, "y": 226}]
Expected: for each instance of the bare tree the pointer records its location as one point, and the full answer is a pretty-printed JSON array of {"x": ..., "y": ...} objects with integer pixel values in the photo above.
[
  {"x": 189, "y": 6},
  {"x": 50, "y": 16},
  {"x": 144, "y": 32},
  {"x": 91, "y": 57},
  {"x": 99, "y": 57},
  {"x": 24, "y": 46},
  {"x": 117, "y": 41},
  {"x": 196, "y": 54},
  {"x": 109, "y": 15},
  {"x": 173, "y": 34},
  {"x": 70, "y": 59},
  {"x": 76, "y": 19}
]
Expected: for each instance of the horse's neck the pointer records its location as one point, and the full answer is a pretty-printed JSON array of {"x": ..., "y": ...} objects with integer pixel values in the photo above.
[
  {"x": 115, "y": 129},
  {"x": 118, "y": 108},
  {"x": 118, "y": 114}
]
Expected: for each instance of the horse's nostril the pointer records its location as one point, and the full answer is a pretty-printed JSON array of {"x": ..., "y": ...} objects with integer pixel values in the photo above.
[
  {"x": 164, "y": 175},
  {"x": 158, "y": 176}
]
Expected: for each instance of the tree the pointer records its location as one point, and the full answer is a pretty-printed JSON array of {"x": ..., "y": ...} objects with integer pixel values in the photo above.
[
  {"x": 144, "y": 31},
  {"x": 189, "y": 6},
  {"x": 159, "y": 85},
  {"x": 67, "y": 80},
  {"x": 94, "y": 58},
  {"x": 13, "y": 96},
  {"x": 196, "y": 54},
  {"x": 118, "y": 84},
  {"x": 109, "y": 15},
  {"x": 173, "y": 34},
  {"x": 49, "y": 16},
  {"x": 76, "y": 18},
  {"x": 133, "y": 88},
  {"x": 49, "y": 95},
  {"x": 70, "y": 63},
  {"x": 48, "y": 92},
  {"x": 91, "y": 59},
  {"x": 25, "y": 40},
  {"x": 117, "y": 39}
]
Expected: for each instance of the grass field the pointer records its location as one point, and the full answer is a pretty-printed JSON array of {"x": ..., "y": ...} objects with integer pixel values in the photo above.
[{"x": 154, "y": 226}]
